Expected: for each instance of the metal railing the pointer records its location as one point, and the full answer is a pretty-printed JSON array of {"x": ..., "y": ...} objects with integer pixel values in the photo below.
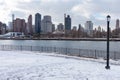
[{"x": 61, "y": 50}]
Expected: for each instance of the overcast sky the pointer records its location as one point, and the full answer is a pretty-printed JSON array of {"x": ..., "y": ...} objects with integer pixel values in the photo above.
[{"x": 79, "y": 10}]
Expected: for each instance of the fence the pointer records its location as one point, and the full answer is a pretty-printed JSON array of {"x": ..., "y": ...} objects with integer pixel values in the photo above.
[{"x": 60, "y": 50}]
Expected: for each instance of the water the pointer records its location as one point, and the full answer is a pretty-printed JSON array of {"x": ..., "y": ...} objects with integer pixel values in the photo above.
[{"x": 94, "y": 45}]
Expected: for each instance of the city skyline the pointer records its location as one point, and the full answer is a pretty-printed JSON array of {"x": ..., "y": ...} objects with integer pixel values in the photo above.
[{"x": 79, "y": 10}]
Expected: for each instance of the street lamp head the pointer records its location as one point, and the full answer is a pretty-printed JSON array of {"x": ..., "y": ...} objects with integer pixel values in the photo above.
[{"x": 108, "y": 18}]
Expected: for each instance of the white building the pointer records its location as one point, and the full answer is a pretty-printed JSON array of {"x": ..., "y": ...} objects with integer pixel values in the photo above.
[
  {"x": 10, "y": 26},
  {"x": 89, "y": 28},
  {"x": 46, "y": 25}
]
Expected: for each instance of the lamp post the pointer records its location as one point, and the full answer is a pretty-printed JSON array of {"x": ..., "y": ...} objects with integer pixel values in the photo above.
[{"x": 108, "y": 22}]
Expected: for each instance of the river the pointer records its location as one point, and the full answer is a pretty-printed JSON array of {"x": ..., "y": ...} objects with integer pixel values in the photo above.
[{"x": 94, "y": 45}]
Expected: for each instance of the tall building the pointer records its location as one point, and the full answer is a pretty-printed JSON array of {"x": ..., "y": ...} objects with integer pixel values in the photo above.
[
  {"x": 37, "y": 23},
  {"x": 2, "y": 28},
  {"x": 23, "y": 26},
  {"x": 29, "y": 25},
  {"x": 89, "y": 28},
  {"x": 53, "y": 27},
  {"x": 33, "y": 26},
  {"x": 99, "y": 29},
  {"x": 80, "y": 28},
  {"x": 67, "y": 23},
  {"x": 10, "y": 26},
  {"x": 60, "y": 27},
  {"x": 117, "y": 24},
  {"x": 13, "y": 16},
  {"x": 46, "y": 25},
  {"x": 19, "y": 25}
]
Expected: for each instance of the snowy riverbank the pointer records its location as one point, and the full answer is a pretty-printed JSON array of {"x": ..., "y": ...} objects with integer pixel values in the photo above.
[{"x": 37, "y": 66}]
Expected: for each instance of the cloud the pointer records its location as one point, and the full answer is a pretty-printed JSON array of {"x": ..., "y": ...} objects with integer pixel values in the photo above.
[
  {"x": 97, "y": 10},
  {"x": 79, "y": 10}
]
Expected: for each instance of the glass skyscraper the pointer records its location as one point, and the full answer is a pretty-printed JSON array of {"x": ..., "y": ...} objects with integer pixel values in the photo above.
[
  {"x": 67, "y": 24},
  {"x": 37, "y": 23}
]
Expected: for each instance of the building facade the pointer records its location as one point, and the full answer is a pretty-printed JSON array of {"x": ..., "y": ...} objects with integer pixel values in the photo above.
[
  {"x": 19, "y": 25},
  {"x": 117, "y": 24},
  {"x": 37, "y": 23},
  {"x": 89, "y": 28},
  {"x": 53, "y": 27},
  {"x": 46, "y": 26},
  {"x": 67, "y": 24},
  {"x": 60, "y": 27},
  {"x": 2, "y": 28},
  {"x": 29, "y": 25},
  {"x": 10, "y": 26}
]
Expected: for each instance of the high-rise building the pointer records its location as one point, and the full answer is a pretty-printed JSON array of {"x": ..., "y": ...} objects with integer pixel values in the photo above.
[
  {"x": 2, "y": 28},
  {"x": 29, "y": 25},
  {"x": 46, "y": 26},
  {"x": 13, "y": 16},
  {"x": 67, "y": 23},
  {"x": 19, "y": 25},
  {"x": 80, "y": 28},
  {"x": 37, "y": 23},
  {"x": 10, "y": 26},
  {"x": 33, "y": 27},
  {"x": 23, "y": 26},
  {"x": 53, "y": 27},
  {"x": 89, "y": 28},
  {"x": 60, "y": 27},
  {"x": 117, "y": 24},
  {"x": 99, "y": 29}
]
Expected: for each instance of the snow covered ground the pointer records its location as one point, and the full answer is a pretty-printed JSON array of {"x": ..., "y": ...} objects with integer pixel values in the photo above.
[{"x": 49, "y": 66}]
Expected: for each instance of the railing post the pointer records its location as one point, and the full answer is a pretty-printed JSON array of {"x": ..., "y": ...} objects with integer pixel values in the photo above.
[
  {"x": 41, "y": 49},
  {"x": 66, "y": 51},
  {"x": 31, "y": 48},
  {"x": 54, "y": 49},
  {"x": 114, "y": 55},
  {"x": 21, "y": 47},
  {"x": 3, "y": 47},
  {"x": 95, "y": 55},
  {"x": 79, "y": 53}
]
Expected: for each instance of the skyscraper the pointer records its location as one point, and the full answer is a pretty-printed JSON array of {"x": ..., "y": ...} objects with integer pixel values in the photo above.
[
  {"x": 53, "y": 27},
  {"x": 29, "y": 25},
  {"x": 13, "y": 16},
  {"x": 19, "y": 25},
  {"x": 23, "y": 26},
  {"x": 2, "y": 28},
  {"x": 37, "y": 23},
  {"x": 46, "y": 25},
  {"x": 60, "y": 27},
  {"x": 89, "y": 28},
  {"x": 117, "y": 24},
  {"x": 99, "y": 28},
  {"x": 10, "y": 26},
  {"x": 67, "y": 24}
]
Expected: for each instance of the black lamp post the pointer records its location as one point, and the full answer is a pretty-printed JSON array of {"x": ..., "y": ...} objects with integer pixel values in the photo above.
[{"x": 108, "y": 22}]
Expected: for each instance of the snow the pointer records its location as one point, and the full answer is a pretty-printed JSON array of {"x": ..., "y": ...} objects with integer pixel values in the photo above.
[{"x": 15, "y": 65}]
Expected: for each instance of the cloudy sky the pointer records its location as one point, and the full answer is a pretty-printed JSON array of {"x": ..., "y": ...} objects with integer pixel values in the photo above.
[{"x": 79, "y": 10}]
